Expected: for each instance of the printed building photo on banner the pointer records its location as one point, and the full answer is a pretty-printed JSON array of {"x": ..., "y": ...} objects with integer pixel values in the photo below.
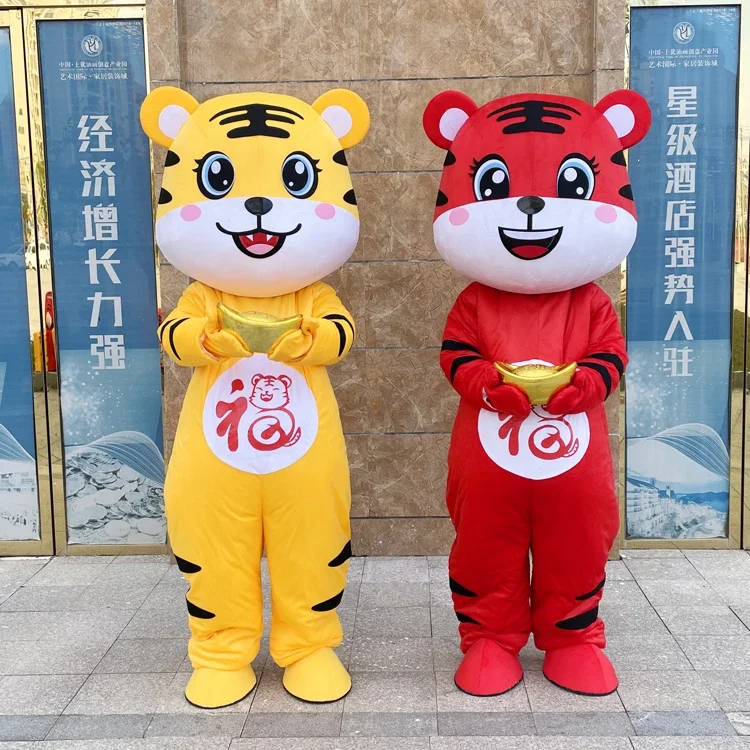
[
  {"x": 19, "y": 500},
  {"x": 679, "y": 276},
  {"x": 99, "y": 182}
]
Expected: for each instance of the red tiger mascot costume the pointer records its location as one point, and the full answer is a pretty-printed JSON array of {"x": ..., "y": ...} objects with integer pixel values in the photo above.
[{"x": 534, "y": 205}]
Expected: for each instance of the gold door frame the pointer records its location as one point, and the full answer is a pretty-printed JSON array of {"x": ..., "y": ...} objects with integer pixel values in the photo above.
[
  {"x": 31, "y": 17},
  {"x": 739, "y": 463}
]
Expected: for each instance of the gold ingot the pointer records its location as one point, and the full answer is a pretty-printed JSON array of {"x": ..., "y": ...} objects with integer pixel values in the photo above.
[
  {"x": 539, "y": 382},
  {"x": 258, "y": 330}
]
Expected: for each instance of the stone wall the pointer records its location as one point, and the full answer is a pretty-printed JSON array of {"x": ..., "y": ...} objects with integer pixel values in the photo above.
[{"x": 396, "y": 406}]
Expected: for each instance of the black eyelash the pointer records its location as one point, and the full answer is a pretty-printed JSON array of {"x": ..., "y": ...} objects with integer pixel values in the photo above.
[
  {"x": 594, "y": 164},
  {"x": 474, "y": 167}
]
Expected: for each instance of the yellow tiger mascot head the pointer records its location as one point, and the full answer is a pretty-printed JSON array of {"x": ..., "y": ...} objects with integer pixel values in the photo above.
[{"x": 256, "y": 197}]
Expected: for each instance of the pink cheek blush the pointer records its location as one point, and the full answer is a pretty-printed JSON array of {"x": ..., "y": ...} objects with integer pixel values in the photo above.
[
  {"x": 605, "y": 214},
  {"x": 458, "y": 216},
  {"x": 191, "y": 212},
  {"x": 325, "y": 211}
]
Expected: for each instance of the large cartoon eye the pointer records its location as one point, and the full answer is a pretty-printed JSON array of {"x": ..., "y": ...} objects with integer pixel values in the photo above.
[
  {"x": 491, "y": 179},
  {"x": 575, "y": 178},
  {"x": 215, "y": 175},
  {"x": 300, "y": 175}
]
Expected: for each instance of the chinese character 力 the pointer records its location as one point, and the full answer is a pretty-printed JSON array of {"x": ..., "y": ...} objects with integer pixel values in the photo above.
[{"x": 96, "y": 308}]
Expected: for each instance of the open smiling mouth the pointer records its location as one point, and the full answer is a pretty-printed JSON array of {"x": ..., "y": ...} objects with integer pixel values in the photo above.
[
  {"x": 259, "y": 242},
  {"x": 530, "y": 244}
]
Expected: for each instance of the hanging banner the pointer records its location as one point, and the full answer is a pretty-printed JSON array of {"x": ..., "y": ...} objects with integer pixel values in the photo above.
[
  {"x": 684, "y": 60},
  {"x": 19, "y": 500},
  {"x": 99, "y": 190}
]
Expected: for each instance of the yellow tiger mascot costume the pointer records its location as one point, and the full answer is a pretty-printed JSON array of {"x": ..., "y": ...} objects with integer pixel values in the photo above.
[{"x": 257, "y": 206}]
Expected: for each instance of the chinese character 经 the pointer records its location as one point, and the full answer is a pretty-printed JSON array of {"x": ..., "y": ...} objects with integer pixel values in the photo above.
[
  {"x": 101, "y": 222},
  {"x": 106, "y": 261},
  {"x": 96, "y": 308},
  {"x": 93, "y": 174},
  {"x": 680, "y": 177},
  {"x": 98, "y": 131},
  {"x": 109, "y": 351},
  {"x": 680, "y": 251},
  {"x": 679, "y": 284},
  {"x": 680, "y": 216},
  {"x": 683, "y": 101},
  {"x": 677, "y": 361},
  {"x": 681, "y": 140}
]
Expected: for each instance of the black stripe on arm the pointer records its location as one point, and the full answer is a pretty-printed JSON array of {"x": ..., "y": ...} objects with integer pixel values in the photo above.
[
  {"x": 334, "y": 318},
  {"x": 449, "y": 345},
  {"x": 458, "y": 361},
  {"x": 613, "y": 359},
  {"x": 171, "y": 336},
  {"x": 603, "y": 373}
]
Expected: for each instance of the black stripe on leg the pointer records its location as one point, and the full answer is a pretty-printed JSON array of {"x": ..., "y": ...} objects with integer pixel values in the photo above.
[
  {"x": 342, "y": 556},
  {"x": 458, "y": 361},
  {"x": 465, "y": 618},
  {"x": 185, "y": 566},
  {"x": 599, "y": 586},
  {"x": 449, "y": 345},
  {"x": 171, "y": 336},
  {"x": 613, "y": 359},
  {"x": 329, "y": 604},
  {"x": 603, "y": 373},
  {"x": 199, "y": 612},
  {"x": 579, "y": 622},
  {"x": 457, "y": 588}
]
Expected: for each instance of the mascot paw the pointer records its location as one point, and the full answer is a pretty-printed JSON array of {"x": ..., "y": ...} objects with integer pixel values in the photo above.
[
  {"x": 488, "y": 669},
  {"x": 581, "y": 669},
  {"x": 215, "y": 688},
  {"x": 318, "y": 678}
]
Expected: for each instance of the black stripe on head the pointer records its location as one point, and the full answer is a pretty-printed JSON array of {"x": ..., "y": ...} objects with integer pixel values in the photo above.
[
  {"x": 171, "y": 336},
  {"x": 171, "y": 159},
  {"x": 164, "y": 196},
  {"x": 599, "y": 586},
  {"x": 442, "y": 198},
  {"x": 603, "y": 373},
  {"x": 257, "y": 119},
  {"x": 457, "y": 588},
  {"x": 342, "y": 556},
  {"x": 613, "y": 359},
  {"x": 579, "y": 622},
  {"x": 329, "y": 604},
  {"x": 619, "y": 158},
  {"x": 199, "y": 612},
  {"x": 532, "y": 114},
  {"x": 340, "y": 158},
  {"x": 449, "y": 345},
  {"x": 626, "y": 192},
  {"x": 465, "y": 618},
  {"x": 350, "y": 198},
  {"x": 458, "y": 361},
  {"x": 185, "y": 566},
  {"x": 449, "y": 159}
]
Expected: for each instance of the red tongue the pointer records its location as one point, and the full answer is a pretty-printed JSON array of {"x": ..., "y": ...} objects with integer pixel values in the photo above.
[
  {"x": 258, "y": 238},
  {"x": 530, "y": 252}
]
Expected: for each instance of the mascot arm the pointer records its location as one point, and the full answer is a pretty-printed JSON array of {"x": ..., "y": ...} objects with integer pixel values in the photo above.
[
  {"x": 460, "y": 357},
  {"x": 323, "y": 339},
  {"x": 188, "y": 332}
]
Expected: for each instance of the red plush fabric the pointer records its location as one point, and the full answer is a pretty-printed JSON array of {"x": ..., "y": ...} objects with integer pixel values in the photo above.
[
  {"x": 488, "y": 669},
  {"x": 581, "y": 669}
]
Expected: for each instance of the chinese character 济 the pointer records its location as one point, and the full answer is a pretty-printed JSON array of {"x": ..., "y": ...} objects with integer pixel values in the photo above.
[
  {"x": 93, "y": 180},
  {"x": 96, "y": 308},
  {"x": 101, "y": 222},
  {"x": 681, "y": 140},
  {"x": 683, "y": 101},
  {"x": 680, "y": 177},
  {"x": 98, "y": 131},
  {"x": 106, "y": 261},
  {"x": 680, "y": 251},
  {"x": 109, "y": 351},
  {"x": 679, "y": 284},
  {"x": 677, "y": 361},
  {"x": 680, "y": 216}
]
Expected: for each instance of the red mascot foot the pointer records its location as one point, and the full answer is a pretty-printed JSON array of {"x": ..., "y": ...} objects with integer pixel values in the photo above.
[
  {"x": 581, "y": 669},
  {"x": 488, "y": 669}
]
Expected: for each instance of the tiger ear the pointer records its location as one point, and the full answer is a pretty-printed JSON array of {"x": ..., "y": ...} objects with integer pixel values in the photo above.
[
  {"x": 346, "y": 114},
  {"x": 164, "y": 111},
  {"x": 628, "y": 113},
  {"x": 444, "y": 116}
]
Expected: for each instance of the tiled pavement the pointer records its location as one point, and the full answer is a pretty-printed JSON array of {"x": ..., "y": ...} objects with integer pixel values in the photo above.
[{"x": 93, "y": 656}]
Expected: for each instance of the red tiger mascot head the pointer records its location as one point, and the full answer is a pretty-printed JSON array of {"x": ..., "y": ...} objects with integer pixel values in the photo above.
[{"x": 534, "y": 195}]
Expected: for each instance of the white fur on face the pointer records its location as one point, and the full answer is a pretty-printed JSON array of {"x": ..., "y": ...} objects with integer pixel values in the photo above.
[
  {"x": 596, "y": 237},
  {"x": 190, "y": 240}
]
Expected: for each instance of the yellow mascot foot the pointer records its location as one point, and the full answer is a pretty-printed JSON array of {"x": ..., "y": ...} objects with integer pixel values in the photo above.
[
  {"x": 215, "y": 688},
  {"x": 318, "y": 678}
]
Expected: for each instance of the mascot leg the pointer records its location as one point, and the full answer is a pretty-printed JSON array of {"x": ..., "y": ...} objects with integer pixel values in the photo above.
[
  {"x": 308, "y": 543},
  {"x": 575, "y": 521},
  {"x": 215, "y": 529},
  {"x": 489, "y": 572}
]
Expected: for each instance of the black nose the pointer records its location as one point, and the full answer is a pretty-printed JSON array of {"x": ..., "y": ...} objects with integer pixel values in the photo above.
[
  {"x": 529, "y": 204},
  {"x": 260, "y": 206}
]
